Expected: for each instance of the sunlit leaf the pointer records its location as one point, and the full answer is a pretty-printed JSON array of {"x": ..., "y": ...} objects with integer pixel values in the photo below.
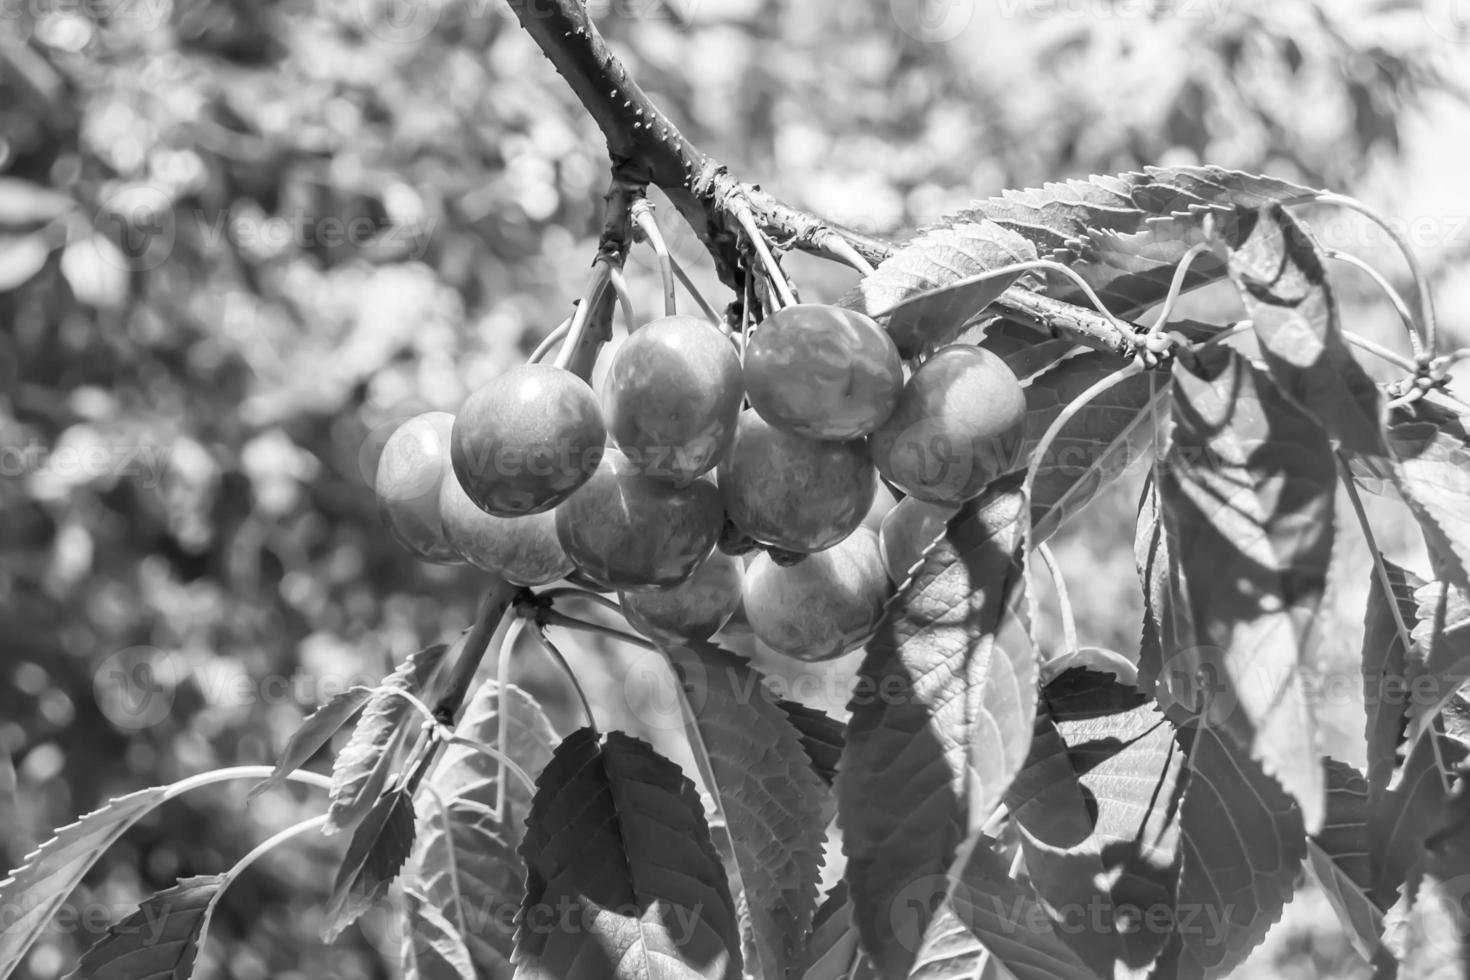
[
  {"x": 317, "y": 730},
  {"x": 379, "y": 846},
  {"x": 832, "y": 949},
  {"x": 159, "y": 940},
  {"x": 941, "y": 718},
  {"x": 435, "y": 949},
  {"x": 1338, "y": 858},
  {"x": 1436, "y": 944}
]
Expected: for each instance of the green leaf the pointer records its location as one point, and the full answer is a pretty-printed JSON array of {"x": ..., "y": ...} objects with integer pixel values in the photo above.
[
  {"x": 925, "y": 290},
  {"x": 1436, "y": 945},
  {"x": 375, "y": 854},
  {"x": 1247, "y": 493},
  {"x": 988, "y": 912},
  {"x": 435, "y": 949},
  {"x": 833, "y": 951},
  {"x": 1411, "y": 810},
  {"x": 1439, "y": 657},
  {"x": 622, "y": 879},
  {"x": 159, "y": 940},
  {"x": 1385, "y": 670},
  {"x": 1025, "y": 350},
  {"x": 941, "y": 716},
  {"x": 822, "y": 737},
  {"x": 1278, "y": 271},
  {"x": 1338, "y": 858},
  {"x": 1097, "y": 445},
  {"x": 363, "y": 766},
  {"x": 1430, "y": 472},
  {"x": 317, "y": 730},
  {"x": 1243, "y": 848},
  {"x": 468, "y": 870},
  {"x": 34, "y": 891},
  {"x": 769, "y": 793}
]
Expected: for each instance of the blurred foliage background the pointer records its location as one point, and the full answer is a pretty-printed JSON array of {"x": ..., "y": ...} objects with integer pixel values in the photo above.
[{"x": 241, "y": 239}]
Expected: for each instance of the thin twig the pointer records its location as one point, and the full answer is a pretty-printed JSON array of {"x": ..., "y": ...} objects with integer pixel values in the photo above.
[
  {"x": 762, "y": 250},
  {"x": 647, "y": 224},
  {"x": 571, "y": 675},
  {"x": 1059, "y": 582}
]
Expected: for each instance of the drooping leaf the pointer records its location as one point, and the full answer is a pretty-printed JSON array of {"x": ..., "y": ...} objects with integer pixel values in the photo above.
[
  {"x": 1385, "y": 669},
  {"x": 941, "y": 716},
  {"x": 364, "y": 764},
  {"x": 434, "y": 948},
  {"x": 159, "y": 940},
  {"x": 317, "y": 730},
  {"x": 380, "y": 845},
  {"x": 1243, "y": 848},
  {"x": 1338, "y": 858},
  {"x": 622, "y": 878},
  {"x": 769, "y": 793},
  {"x": 465, "y": 859},
  {"x": 1402, "y": 817},
  {"x": 1247, "y": 494},
  {"x": 35, "y": 890},
  {"x": 1436, "y": 945},
  {"x": 988, "y": 914},
  {"x": 1278, "y": 271},
  {"x": 926, "y": 291},
  {"x": 821, "y": 736},
  {"x": 1097, "y": 445}
]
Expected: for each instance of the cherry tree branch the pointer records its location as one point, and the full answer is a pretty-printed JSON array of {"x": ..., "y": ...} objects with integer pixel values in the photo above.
[{"x": 647, "y": 148}]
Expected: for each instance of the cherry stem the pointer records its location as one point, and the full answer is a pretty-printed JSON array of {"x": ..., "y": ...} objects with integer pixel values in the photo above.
[
  {"x": 758, "y": 241},
  {"x": 1059, "y": 582},
  {"x": 486, "y": 749},
  {"x": 502, "y": 717},
  {"x": 255, "y": 854},
  {"x": 625, "y": 300},
  {"x": 572, "y": 592},
  {"x": 647, "y": 224},
  {"x": 1394, "y": 299},
  {"x": 693, "y": 290},
  {"x": 595, "y": 285},
  {"x": 553, "y": 617},
  {"x": 1378, "y": 349},
  {"x": 1176, "y": 286},
  {"x": 1232, "y": 330},
  {"x": 549, "y": 342},
  {"x": 571, "y": 675},
  {"x": 1426, "y": 301},
  {"x": 840, "y": 249}
]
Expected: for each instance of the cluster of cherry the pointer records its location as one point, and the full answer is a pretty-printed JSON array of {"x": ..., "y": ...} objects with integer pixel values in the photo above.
[{"x": 695, "y": 508}]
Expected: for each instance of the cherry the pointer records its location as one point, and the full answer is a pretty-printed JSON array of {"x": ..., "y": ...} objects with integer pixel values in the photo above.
[
  {"x": 696, "y": 609},
  {"x": 672, "y": 395},
  {"x": 525, "y": 441},
  {"x": 633, "y": 532},
  {"x": 957, "y": 427},
  {"x": 823, "y": 607},
  {"x": 522, "y": 550},
  {"x": 822, "y": 371},
  {"x": 413, "y": 465},
  {"x": 907, "y": 531},
  {"x": 792, "y": 492}
]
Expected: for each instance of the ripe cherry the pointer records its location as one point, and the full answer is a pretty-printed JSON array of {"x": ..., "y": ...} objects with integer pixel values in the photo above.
[
  {"x": 522, "y": 550},
  {"x": 672, "y": 395},
  {"x": 822, "y": 371},
  {"x": 792, "y": 492},
  {"x": 696, "y": 609},
  {"x": 822, "y": 607},
  {"x": 633, "y": 532},
  {"x": 907, "y": 531},
  {"x": 525, "y": 441},
  {"x": 414, "y": 463},
  {"x": 957, "y": 427}
]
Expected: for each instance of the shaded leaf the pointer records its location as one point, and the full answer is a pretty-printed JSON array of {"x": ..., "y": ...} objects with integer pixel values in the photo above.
[
  {"x": 1097, "y": 445},
  {"x": 941, "y": 716},
  {"x": 364, "y": 764},
  {"x": 35, "y": 890},
  {"x": 435, "y": 949},
  {"x": 622, "y": 878},
  {"x": 832, "y": 949},
  {"x": 1439, "y": 657},
  {"x": 464, "y": 772},
  {"x": 925, "y": 290},
  {"x": 1338, "y": 858},
  {"x": 1385, "y": 669},
  {"x": 1278, "y": 271},
  {"x": 1246, "y": 492},
  {"x": 1437, "y": 930},
  {"x": 769, "y": 793},
  {"x": 821, "y": 737},
  {"x": 1402, "y": 817},
  {"x": 375, "y": 854},
  {"x": 158, "y": 940},
  {"x": 1025, "y": 350},
  {"x": 1243, "y": 848},
  {"x": 317, "y": 730}
]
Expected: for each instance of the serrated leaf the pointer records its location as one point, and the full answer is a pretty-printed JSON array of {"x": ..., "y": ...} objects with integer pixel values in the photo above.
[
  {"x": 1247, "y": 492},
  {"x": 821, "y": 735},
  {"x": 317, "y": 730},
  {"x": 35, "y": 890},
  {"x": 941, "y": 716},
  {"x": 1338, "y": 858},
  {"x": 622, "y": 879},
  {"x": 1406, "y": 814},
  {"x": 769, "y": 793},
  {"x": 926, "y": 290},
  {"x": 466, "y": 861},
  {"x": 363, "y": 766},
  {"x": 158, "y": 940},
  {"x": 379, "y": 846},
  {"x": 1278, "y": 272},
  {"x": 833, "y": 951},
  {"x": 1025, "y": 350},
  {"x": 435, "y": 949},
  {"x": 989, "y": 914},
  {"x": 1439, "y": 661},
  {"x": 1097, "y": 445},
  {"x": 1243, "y": 847},
  {"x": 1385, "y": 669},
  {"x": 1437, "y": 929}
]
